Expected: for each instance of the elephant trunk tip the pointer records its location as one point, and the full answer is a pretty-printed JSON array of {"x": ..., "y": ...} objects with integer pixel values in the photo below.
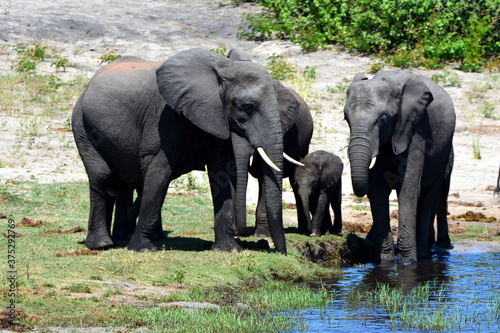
[{"x": 360, "y": 190}]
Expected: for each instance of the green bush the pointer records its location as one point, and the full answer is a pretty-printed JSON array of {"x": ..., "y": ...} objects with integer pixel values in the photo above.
[{"x": 410, "y": 32}]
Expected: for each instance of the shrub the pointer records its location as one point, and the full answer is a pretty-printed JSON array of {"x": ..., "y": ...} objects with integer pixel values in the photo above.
[{"x": 411, "y": 32}]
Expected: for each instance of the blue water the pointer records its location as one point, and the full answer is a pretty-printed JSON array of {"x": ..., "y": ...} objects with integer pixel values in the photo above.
[{"x": 465, "y": 283}]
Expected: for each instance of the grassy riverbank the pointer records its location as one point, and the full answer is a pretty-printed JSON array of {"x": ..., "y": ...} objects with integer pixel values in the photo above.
[{"x": 61, "y": 283}]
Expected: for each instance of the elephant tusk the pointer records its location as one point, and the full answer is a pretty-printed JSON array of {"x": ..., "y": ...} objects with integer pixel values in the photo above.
[
  {"x": 266, "y": 159},
  {"x": 251, "y": 160},
  {"x": 374, "y": 160},
  {"x": 291, "y": 160}
]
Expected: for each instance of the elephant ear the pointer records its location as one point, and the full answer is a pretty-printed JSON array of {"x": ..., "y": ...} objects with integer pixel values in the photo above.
[
  {"x": 238, "y": 55},
  {"x": 359, "y": 77},
  {"x": 190, "y": 82},
  {"x": 385, "y": 74},
  {"x": 288, "y": 104},
  {"x": 415, "y": 97}
]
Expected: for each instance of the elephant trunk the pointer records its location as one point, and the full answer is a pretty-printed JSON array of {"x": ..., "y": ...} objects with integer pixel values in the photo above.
[
  {"x": 273, "y": 184},
  {"x": 360, "y": 156},
  {"x": 242, "y": 152},
  {"x": 304, "y": 197}
]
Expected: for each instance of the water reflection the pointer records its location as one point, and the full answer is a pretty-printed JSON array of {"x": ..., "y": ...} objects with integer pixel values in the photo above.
[{"x": 465, "y": 284}]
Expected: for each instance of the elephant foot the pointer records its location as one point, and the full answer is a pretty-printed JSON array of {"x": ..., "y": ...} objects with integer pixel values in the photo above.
[
  {"x": 95, "y": 241},
  {"x": 227, "y": 245},
  {"x": 445, "y": 244},
  {"x": 316, "y": 233},
  {"x": 120, "y": 238},
  {"x": 261, "y": 231},
  {"x": 405, "y": 261},
  {"x": 337, "y": 228},
  {"x": 158, "y": 237},
  {"x": 141, "y": 244}
]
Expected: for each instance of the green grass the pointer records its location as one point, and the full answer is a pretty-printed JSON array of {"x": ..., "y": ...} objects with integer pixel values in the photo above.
[
  {"x": 74, "y": 290},
  {"x": 43, "y": 95},
  {"x": 425, "y": 307}
]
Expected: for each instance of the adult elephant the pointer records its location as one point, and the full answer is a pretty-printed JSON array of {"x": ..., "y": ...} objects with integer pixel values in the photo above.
[
  {"x": 141, "y": 124},
  {"x": 297, "y": 133},
  {"x": 407, "y": 121}
]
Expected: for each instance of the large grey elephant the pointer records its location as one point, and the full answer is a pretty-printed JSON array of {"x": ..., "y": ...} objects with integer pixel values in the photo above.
[
  {"x": 297, "y": 133},
  {"x": 407, "y": 121},
  {"x": 319, "y": 184},
  {"x": 140, "y": 124}
]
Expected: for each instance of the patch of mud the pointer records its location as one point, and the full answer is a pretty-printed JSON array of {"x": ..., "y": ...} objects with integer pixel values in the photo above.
[
  {"x": 26, "y": 222},
  {"x": 334, "y": 253},
  {"x": 471, "y": 216},
  {"x": 69, "y": 231},
  {"x": 14, "y": 235},
  {"x": 78, "y": 253},
  {"x": 6, "y": 322}
]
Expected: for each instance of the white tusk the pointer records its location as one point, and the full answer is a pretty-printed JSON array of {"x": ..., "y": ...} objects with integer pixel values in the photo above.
[
  {"x": 374, "y": 160},
  {"x": 251, "y": 160},
  {"x": 266, "y": 159},
  {"x": 291, "y": 160}
]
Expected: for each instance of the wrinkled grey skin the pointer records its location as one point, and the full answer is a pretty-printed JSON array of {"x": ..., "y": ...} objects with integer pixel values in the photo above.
[
  {"x": 297, "y": 133},
  {"x": 406, "y": 121},
  {"x": 497, "y": 189},
  {"x": 319, "y": 184},
  {"x": 139, "y": 125},
  {"x": 443, "y": 237}
]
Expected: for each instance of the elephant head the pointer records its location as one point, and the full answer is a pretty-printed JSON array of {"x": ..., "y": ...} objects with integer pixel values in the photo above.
[
  {"x": 221, "y": 97},
  {"x": 243, "y": 151},
  {"x": 387, "y": 108}
]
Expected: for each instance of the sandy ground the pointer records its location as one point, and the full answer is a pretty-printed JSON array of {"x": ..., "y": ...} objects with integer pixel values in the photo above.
[{"x": 155, "y": 30}]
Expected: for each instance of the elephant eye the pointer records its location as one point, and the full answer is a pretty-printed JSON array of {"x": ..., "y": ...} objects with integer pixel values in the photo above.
[
  {"x": 249, "y": 108},
  {"x": 383, "y": 119}
]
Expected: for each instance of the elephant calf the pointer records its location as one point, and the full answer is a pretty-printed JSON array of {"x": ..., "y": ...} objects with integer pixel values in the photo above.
[{"x": 319, "y": 184}]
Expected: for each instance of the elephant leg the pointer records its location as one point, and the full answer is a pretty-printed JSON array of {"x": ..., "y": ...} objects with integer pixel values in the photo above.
[
  {"x": 318, "y": 203},
  {"x": 428, "y": 204},
  {"x": 242, "y": 152},
  {"x": 123, "y": 226},
  {"x": 156, "y": 182},
  {"x": 101, "y": 203},
  {"x": 408, "y": 200},
  {"x": 380, "y": 233},
  {"x": 261, "y": 225},
  {"x": 321, "y": 221},
  {"x": 301, "y": 217},
  {"x": 222, "y": 188},
  {"x": 443, "y": 237},
  {"x": 336, "y": 203},
  {"x": 326, "y": 226}
]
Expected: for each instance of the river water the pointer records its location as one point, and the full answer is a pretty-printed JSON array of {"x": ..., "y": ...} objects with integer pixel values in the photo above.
[{"x": 460, "y": 294}]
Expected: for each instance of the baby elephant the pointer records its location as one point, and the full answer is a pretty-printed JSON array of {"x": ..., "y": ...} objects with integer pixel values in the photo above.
[{"x": 319, "y": 184}]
